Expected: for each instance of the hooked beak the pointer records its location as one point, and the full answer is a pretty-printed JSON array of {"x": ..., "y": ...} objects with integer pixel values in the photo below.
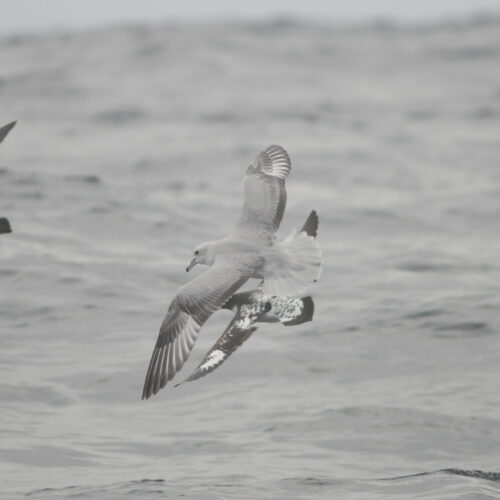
[{"x": 191, "y": 265}]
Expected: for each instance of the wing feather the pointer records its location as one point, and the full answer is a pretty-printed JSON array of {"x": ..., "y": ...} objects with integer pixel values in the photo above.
[
  {"x": 5, "y": 130},
  {"x": 265, "y": 193},
  {"x": 192, "y": 306},
  {"x": 232, "y": 338},
  {"x": 237, "y": 332}
]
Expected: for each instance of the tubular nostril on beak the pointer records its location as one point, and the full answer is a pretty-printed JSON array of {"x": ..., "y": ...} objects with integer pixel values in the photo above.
[{"x": 191, "y": 265}]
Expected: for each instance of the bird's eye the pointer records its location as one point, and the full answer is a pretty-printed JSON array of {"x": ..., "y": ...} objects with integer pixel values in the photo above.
[{"x": 196, "y": 252}]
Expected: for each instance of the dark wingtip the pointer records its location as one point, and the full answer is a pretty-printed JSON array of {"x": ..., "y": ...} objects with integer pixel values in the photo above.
[
  {"x": 5, "y": 226},
  {"x": 306, "y": 314},
  {"x": 150, "y": 383},
  {"x": 6, "y": 129},
  {"x": 145, "y": 394},
  {"x": 308, "y": 308},
  {"x": 311, "y": 224},
  {"x": 148, "y": 391}
]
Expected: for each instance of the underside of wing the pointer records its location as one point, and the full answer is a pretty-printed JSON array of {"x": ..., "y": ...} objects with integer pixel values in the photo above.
[
  {"x": 265, "y": 193},
  {"x": 194, "y": 303}
]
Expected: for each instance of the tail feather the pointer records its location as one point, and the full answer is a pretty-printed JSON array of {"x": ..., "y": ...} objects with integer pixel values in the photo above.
[{"x": 294, "y": 264}]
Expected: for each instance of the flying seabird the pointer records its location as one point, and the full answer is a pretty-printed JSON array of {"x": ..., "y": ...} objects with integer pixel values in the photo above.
[
  {"x": 255, "y": 307},
  {"x": 250, "y": 251}
]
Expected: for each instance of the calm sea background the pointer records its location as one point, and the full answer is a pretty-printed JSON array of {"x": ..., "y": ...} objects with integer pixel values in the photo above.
[{"x": 130, "y": 148}]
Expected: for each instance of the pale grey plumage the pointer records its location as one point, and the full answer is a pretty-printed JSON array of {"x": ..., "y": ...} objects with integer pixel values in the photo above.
[
  {"x": 265, "y": 193},
  {"x": 252, "y": 307},
  {"x": 192, "y": 306},
  {"x": 242, "y": 255}
]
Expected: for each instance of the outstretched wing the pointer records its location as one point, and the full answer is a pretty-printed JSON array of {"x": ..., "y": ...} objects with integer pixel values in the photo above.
[
  {"x": 192, "y": 306},
  {"x": 265, "y": 193},
  {"x": 5, "y": 130},
  {"x": 237, "y": 332}
]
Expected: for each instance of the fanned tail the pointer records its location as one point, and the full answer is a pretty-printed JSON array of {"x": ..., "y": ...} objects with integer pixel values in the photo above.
[{"x": 292, "y": 265}]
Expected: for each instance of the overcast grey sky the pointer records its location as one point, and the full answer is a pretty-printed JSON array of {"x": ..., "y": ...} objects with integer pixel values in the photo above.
[{"x": 24, "y": 15}]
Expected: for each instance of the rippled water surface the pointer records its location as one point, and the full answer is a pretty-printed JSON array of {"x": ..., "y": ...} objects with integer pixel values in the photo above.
[{"x": 129, "y": 151}]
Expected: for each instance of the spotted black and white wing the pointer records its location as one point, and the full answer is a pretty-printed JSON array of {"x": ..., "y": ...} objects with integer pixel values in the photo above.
[
  {"x": 189, "y": 310},
  {"x": 5, "y": 130},
  {"x": 292, "y": 311},
  {"x": 265, "y": 193},
  {"x": 237, "y": 332}
]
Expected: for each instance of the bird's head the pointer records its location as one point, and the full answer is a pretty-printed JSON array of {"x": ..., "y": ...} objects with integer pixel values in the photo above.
[{"x": 202, "y": 254}]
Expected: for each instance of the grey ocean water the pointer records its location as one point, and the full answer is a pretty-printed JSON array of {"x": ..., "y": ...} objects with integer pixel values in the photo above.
[{"x": 130, "y": 149}]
